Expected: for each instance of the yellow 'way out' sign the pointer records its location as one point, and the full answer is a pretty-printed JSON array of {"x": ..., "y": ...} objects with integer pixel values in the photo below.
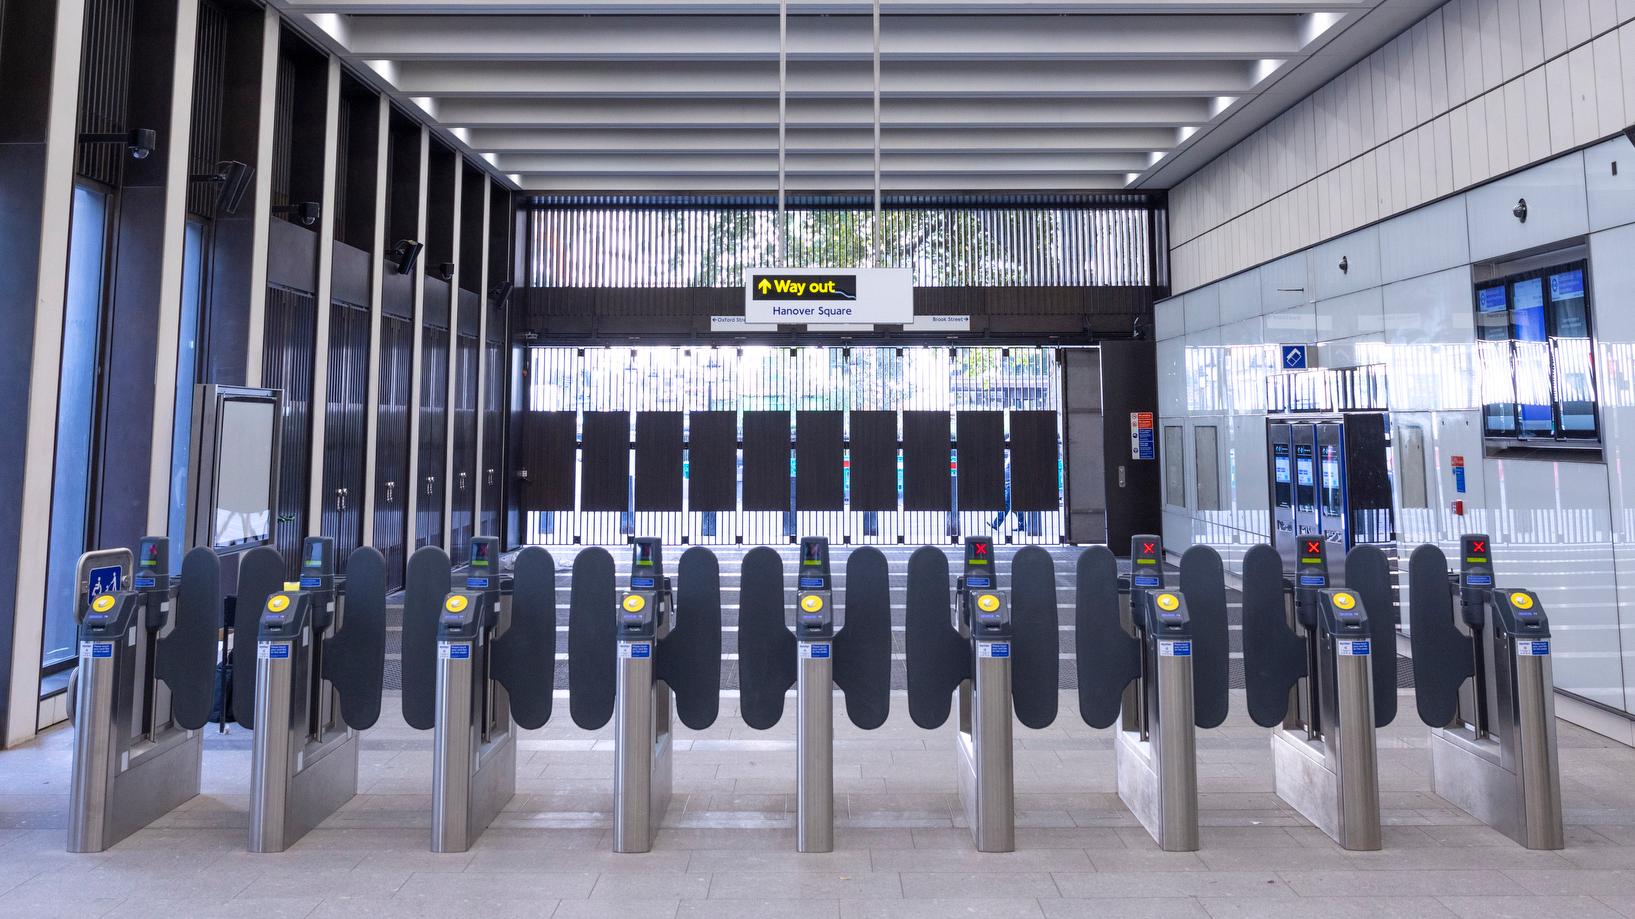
[{"x": 815, "y": 296}]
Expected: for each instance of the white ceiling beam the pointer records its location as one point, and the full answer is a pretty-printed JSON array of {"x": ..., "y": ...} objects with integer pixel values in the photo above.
[
  {"x": 958, "y": 38},
  {"x": 822, "y": 113},
  {"x": 825, "y": 79},
  {"x": 860, "y": 162},
  {"x": 810, "y": 7},
  {"x": 767, "y": 184},
  {"x": 501, "y": 141}
]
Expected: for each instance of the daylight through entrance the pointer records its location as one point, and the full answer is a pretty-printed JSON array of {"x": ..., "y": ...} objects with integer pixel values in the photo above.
[{"x": 722, "y": 445}]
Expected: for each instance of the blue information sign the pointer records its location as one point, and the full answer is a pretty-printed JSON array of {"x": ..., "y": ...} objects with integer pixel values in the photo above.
[
  {"x": 103, "y": 581},
  {"x": 1294, "y": 357}
]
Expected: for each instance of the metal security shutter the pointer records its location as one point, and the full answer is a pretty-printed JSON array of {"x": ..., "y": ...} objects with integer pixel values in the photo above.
[{"x": 926, "y": 485}]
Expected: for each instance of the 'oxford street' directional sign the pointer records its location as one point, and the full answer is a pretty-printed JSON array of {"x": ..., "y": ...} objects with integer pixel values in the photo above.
[{"x": 814, "y": 296}]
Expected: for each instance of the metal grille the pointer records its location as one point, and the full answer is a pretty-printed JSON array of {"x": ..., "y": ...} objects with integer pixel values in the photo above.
[
  {"x": 104, "y": 81},
  {"x": 946, "y": 245},
  {"x": 209, "y": 82},
  {"x": 283, "y": 132},
  {"x": 791, "y": 379}
]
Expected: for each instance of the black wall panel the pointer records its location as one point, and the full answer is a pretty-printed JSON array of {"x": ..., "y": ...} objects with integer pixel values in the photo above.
[
  {"x": 605, "y": 470},
  {"x": 287, "y": 364},
  {"x": 463, "y": 477},
  {"x": 766, "y": 461},
  {"x": 874, "y": 461},
  {"x": 658, "y": 461},
  {"x": 549, "y": 442},
  {"x": 926, "y": 485},
  {"x": 818, "y": 460},
  {"x": 712, "y": 461},
  {"x": 1034, "y": 462},
  {"x": 981, "y": 457},
  {"x": 488, "y": 523},
  {"x": 432, "y": 470},
  {"x": 345, "y": 429},
  {"x": 392, "y": 445}
]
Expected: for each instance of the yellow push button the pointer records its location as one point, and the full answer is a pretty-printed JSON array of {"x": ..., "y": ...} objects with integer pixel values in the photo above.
[
  {"x": 1521, "y": 601},
  {"x": 103, "y": 603},
  {"x": 1344, "y": 601},
  {"x": 634, "y": 603},
  {"x": 987, "y": 603},
  {"x": 277, "y": 603},
  {"x": 1169, "y": 603},
  {"x": 811, "y": 603},
  {"x": 456, "y": 603}
]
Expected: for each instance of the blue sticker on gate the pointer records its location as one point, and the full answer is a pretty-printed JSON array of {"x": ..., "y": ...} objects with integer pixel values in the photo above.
[
  {"x": 311, "y": 583},
  {"x": 278, "y": 651},
  {"x": 1146, "y": 580},
  {"x": 477, "y": 583},
  {"x": 1313, "y": 580},
  {"x": 102, "y": 649},
  {"x": 811, "y": 583},
  {"x": 141, "y": 583},
  {"x": 459, "y": 652},
  {"x": 1479, "y": 580}
]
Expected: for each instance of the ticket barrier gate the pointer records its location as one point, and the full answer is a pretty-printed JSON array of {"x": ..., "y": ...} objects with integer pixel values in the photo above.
[
  {"x": 1155, "y": 662},
  {"x": 815, "y": 658},
  {"x": 478, "y": 663},
  {"x": 634, "y": 654},
  {"x": 1483, "y": 682},
  {"x": 1313, "y": 677},
  {"x": 971, "y": 647},
  {"x": 143, "y": 691},
  {"x": 307, "y": 684}
]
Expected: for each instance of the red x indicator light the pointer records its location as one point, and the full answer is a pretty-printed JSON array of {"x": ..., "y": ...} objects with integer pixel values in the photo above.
[
  {"x": 1479, "y": 545},
  {"x": 982, "y": 548},
  {"x": 1313, "y": 547},
  {"x": 1148, "y": 548}
]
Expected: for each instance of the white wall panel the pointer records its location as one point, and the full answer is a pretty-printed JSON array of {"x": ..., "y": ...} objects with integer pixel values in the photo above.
[
  {"x": 1202, "y": 309},
  {"x": 1240, "y": 296},
  {"x": 1429, "y": 309},
  {"x": 1422, "y": 241},
  {"x": 1361, "y": 252},
  {"x": 1556, "y": 209},
  {"x": 1345, "y": 317},
  {"x": 1611, "y": 197},
  {"x": 1168, "y": 318}
]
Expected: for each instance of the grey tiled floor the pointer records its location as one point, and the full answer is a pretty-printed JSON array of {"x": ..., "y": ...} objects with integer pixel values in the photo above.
[{"x": 726, "y": 848}]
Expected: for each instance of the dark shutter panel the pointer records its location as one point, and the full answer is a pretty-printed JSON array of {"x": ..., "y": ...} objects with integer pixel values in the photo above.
[
  {"x": 926, "y": 484},
  {"x": 605, "y": 472},
  {"x": 873, "y": 461},
  {"x": 766, "y": 461},
  {"x": 818, "y": 461},
  {"x": 549, "y": 442},
  {"x": 712, "y": 461},
  {"x": 658, "y": 461},
  {"x": 981, "y": 446},
  {"x": 1034, "y": 485}
]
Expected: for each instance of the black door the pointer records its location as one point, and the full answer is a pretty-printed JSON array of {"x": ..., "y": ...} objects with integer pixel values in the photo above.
[
  {"x": 392, "y": 445},
  {"x": 345, "y": 428},
  {"x": 286, "y": 364},
  {"x": 434, "y": 344}
]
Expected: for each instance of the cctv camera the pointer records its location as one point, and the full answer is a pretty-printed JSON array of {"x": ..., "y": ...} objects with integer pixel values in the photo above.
[
  {"x": 445, "y": 271},
  {"x": 141, "y": 142}
]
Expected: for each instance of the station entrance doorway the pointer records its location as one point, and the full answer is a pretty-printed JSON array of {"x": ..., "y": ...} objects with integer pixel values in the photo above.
[{"x": 765, "y": 444}]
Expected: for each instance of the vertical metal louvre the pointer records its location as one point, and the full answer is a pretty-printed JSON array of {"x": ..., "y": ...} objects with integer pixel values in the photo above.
[
  {"x": 104, "y": 87},
  {"x": 287, "y": 356}
]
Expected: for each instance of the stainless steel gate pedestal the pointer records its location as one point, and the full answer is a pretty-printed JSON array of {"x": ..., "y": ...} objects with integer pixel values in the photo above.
[
  {"x": 815, "y": 747},
  {"x": 642, "y": 749},
  {"x": 983, "y": 748}
]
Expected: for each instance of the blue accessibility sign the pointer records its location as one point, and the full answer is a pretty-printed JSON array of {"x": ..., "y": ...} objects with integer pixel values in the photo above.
[
  {"x": 1294, "y": 357},
  {"x": 103, "y": 581}
]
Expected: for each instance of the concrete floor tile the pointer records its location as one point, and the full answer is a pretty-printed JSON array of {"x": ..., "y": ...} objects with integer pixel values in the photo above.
[
  {"x": 1327, "y": 908},
  {"x": 959, "y": 885},
  {"x": 760, "y": 909},
  {"x": 1427, "y": 883},
  {"x": 1529, "y": 908},
  {"x": 656, "y": 885},
  {"x": 975, "y": 908},
  {"x": 1137, "y": 884},
  {"x": 788, "y": 885},
  {"x": 616, "y": 909},
  {"x": 1104, "y": 908}
]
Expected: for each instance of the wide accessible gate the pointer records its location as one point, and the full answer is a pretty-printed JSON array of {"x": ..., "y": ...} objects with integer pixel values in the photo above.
[{"x": 763, "y": 445}]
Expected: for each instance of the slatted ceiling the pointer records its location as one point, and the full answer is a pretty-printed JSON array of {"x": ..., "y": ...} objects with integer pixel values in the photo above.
[
  {"x": 287, "y": 364},
  {"x": 604, "y": 471},
  {"x": 392, "y": 445},
  {"x": 432, "y": 468},
  {"x": 550, "y": 441},
  {"x": 945, "y": 246},
  {"x": 712, "y": 461},
  {"x": 981, "y": 458},
  {"x": 658, "y": 460},
  {"x": 766, "y": 461},
  {"x": 818, "y": 461},
  {"x": 1035, "y": 470},
  {"x": 926, "y": 483},
  {"x": 873, "y": 460}
]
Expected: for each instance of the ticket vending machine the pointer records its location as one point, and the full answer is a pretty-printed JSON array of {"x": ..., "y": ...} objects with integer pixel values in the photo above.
[
  {"x": 1320, "y": 670},
  {"x": 998, "y": 651},
  {"x": 307, "y": 684},
  {"x": 143, "y": 691},
  {"x": 635, "y": 654},
  {"x": 478, "y": 664},
  {"x": 814, "y": 659},
  {"x": 1154, "y": 661},
  {"x": 1330, "y": 478},
  {"x": 1483, "y": 682}
]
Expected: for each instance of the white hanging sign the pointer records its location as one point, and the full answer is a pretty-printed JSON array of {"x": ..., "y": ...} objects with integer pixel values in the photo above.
[{"x": 827, "y": 296}]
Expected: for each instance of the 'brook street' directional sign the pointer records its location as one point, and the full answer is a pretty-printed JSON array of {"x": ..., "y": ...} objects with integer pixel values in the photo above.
[{"x": 816, "y": 296}]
